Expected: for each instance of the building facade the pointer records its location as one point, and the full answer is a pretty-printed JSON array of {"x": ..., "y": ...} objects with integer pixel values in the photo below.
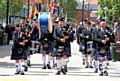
[{"x": 89, "y": 7}]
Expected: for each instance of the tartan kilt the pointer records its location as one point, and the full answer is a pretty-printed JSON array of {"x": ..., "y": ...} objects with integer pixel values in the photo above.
[
  {"x": 67, "y": 51},
  {"x": 80, "y": 47},
  {"x": 94, "y": 51},
  {"x": 28, "y": 51},
  {"x": 100, "y": 56},
  {"x": 49, "y": 49},
  {"x": 15, "y": 56}
]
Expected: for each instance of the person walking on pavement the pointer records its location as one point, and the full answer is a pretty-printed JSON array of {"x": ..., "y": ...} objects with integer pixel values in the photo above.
[{"x": 8, "y": 31}]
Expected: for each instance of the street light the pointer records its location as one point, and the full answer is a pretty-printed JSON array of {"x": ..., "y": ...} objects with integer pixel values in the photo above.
[
  {"x": 82, "y": 12},
  {"x": 28, "y": 7},
  {"x": 7, "y": 12}
]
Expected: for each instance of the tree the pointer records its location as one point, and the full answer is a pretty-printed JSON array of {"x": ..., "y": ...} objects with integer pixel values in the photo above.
[
  {"x": 14, "y": 7},
  {"x": 69, "y": 7},
  {"x": 110, "y": 9}
]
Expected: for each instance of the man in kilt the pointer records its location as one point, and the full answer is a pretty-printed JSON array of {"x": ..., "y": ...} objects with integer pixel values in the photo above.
[
  {"x": 80, "y": 40},
  {"x": 53, "y": 55},
  {"x": 87, "y": 37},
  {"x": 18, "y": 50},
  {"x": 62, "y": 46},
  {"x": 95, "y": 30},
  {"x": 46, "y": 48},
  {"x": 103, "y": 39}
]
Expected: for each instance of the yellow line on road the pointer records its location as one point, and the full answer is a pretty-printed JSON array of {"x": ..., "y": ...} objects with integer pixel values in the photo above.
[{"x": 14, "y": 79}]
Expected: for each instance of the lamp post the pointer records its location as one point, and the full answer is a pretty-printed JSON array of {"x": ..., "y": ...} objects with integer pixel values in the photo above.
[
  {"x": 82, "y": 12},
  {"x": 88, "y": 11},
  {"x": 28, "y": 7},
  {"x": 7, "y": 12}
]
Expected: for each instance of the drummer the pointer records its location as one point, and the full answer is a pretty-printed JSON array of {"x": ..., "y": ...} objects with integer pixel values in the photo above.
[
  {"x": 46, "y": 47},
  {"x": 87, "y": 37}
]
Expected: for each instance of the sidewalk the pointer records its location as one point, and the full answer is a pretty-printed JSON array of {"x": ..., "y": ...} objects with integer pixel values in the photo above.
[{"x": 76, "y": 71}]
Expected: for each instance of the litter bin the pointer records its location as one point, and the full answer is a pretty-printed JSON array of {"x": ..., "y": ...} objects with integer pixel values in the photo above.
[
  {"x": 117, "y": 51},
  {"x": 5, "y": 38},
  {"x": 113, "y": 51},
  {"x": 1, "y": 37}
]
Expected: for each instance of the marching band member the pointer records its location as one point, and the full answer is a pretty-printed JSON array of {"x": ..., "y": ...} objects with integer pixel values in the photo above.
[
  {"x": 94, "y": 48},
  {"x": 87, "y": 36},
  {"x": 103, "y": 39},
  {"x": 18, "y": 50},
  {"x": 62, "y": 46},
  {"x": 46, "y": 48},
  {"x": 53, "y": 55},
  {"x": 80, "y": 40}
]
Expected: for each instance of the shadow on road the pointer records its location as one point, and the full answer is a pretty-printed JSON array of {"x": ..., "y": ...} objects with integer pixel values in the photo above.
[{"x": 5, "y": 51}]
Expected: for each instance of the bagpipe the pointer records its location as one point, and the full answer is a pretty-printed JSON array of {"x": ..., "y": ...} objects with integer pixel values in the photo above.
[{"x": 68, "y": 32}]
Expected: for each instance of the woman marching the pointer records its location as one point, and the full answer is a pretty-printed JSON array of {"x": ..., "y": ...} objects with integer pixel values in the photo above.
[{"x": 18, "y": 50}]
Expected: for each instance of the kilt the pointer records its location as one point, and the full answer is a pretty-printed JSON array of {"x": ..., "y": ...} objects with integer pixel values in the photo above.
[
  {"x": 80, "y": 47},
  {"x": 67, "y": 51},
  {"x": 28, "y": 51},
  {"x": 94, "y": 51},
  {"x": 100, "y": 56},
  {"x": 49, "y": 49},
  {"x": 15, "y": 56}
]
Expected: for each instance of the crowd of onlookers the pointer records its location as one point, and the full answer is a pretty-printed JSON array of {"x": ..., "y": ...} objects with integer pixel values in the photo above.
[{"x": 8, "y": 29}]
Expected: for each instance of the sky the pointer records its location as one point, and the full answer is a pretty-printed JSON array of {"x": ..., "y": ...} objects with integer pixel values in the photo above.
[{"x": 80, "y": 0}]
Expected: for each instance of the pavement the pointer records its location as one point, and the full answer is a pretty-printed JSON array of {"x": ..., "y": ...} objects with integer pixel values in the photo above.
[{"x": 76, "y": 71}]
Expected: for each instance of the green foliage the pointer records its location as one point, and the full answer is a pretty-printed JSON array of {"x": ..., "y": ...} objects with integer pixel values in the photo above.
[
  {"x": 14, "y": 7},
  {"x": 111, "y": 7},
  {"x": 69, "y": 7}
]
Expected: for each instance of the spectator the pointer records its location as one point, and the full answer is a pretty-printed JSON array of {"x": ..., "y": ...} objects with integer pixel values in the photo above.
[{"x": 8, "y": 31}]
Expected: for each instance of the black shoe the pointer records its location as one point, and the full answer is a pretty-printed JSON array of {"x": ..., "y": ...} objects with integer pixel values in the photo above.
[
  {"x": 65, "y": 68},
  {"x": 58, "y": 73},
  {"x": 101, "y": 74},
  {"x": 26, "y": 68},
  {"x": 96, "y": 71},
  {"x": 83, "y": 63},
  {"x": 99, "y": 68},
  {"x": 63, "y": 71},
  {"x": 90, "y": 66},
  {"x": 17, "y": 72},
  {"x": 44, "y": 67},
  {"x": 28, "y": 63},
  {"x": 55, "y": 65},
  {"x": 105, "y": 73},
  {"x": 48, "y": 65},
  {"x": 107, "y": 64},
  {"x": 87, "y": 66},
  {"x": 22, "y": 73},
  {"x": 106, "y": 68}
]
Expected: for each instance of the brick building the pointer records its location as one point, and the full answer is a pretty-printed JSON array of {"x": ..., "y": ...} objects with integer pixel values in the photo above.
[{"x": 87, "y": 13}]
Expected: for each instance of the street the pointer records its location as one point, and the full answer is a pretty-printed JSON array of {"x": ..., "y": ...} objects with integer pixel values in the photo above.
[{"x": 76, "y": 71}]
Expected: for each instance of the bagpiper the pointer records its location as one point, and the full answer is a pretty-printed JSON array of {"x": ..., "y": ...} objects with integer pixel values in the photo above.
[
  {"x": 103, "y": 39},
  {"x": 87, "y": 45},
  {"x": 62, "y": 46},
  {"x": 18, "y": 50}
]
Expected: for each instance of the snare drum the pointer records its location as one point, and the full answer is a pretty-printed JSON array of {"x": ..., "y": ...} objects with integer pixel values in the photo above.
[
  {"x": 45, "y": 22},
  {"x": 89, "y": 46},
  {"x": 34, "y": 46}
]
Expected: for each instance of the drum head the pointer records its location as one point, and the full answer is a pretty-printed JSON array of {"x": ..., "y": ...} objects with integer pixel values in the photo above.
[{"x": 45, "y": 19}]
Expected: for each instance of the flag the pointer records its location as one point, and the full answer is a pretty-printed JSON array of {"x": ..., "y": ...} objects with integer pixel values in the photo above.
[
  {"x": 38, "y": 5},
  {"x": 50, "y": 5},
  {"x": 55, "y": 12}
]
